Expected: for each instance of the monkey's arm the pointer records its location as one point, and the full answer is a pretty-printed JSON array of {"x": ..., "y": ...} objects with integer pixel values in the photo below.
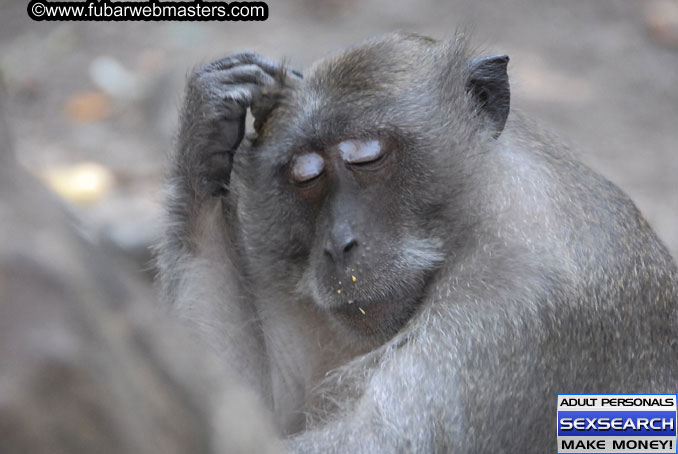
[{"x": 200, "y": 273}]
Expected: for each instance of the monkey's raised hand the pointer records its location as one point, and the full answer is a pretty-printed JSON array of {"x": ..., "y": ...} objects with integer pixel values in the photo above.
[
  {"x": 213, "y": 119},
  {"x": 201, "y": 239}
]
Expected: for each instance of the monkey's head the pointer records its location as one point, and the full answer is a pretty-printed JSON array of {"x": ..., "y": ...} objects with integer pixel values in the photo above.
[{"x": 352, "y": 190}]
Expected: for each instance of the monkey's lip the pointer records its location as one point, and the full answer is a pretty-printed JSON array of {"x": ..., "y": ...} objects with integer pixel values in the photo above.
[{"x": 362, "y": 308}]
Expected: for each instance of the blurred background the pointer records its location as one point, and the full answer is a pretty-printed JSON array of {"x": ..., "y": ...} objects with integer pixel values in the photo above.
[{"x": 93, "y": 105}]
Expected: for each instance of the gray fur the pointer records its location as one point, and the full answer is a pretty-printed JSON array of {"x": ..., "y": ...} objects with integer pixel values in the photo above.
[{"x": 502, "y": 270}]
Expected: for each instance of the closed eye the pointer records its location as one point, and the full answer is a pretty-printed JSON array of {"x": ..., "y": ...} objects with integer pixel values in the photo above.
[
  {"x": 373, "y": 164},
  {"x": 306, "y": 168},
  {"x": 359, "y": 153}
]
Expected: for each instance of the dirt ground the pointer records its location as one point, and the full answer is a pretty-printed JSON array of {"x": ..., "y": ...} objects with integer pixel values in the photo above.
[{"x": 602, "y": 74}]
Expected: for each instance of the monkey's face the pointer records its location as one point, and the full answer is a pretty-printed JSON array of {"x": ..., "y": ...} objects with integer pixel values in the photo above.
[
  {"x": 368, "y": 260},
  {"x": 353, "y": 181},
  {"x": 342, "y": 222}
]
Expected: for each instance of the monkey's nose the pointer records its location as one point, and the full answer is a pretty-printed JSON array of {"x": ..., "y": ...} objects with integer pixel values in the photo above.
[{"x": 339, "y": 247}]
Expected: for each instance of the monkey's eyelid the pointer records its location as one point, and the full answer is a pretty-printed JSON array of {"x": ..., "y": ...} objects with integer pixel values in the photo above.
[
  {"x": 306, "y": 167},
  {"x": 354, "y": 152}
]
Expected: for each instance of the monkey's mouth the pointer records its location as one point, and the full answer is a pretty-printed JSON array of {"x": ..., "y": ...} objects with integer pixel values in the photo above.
[
  {"x": 364, "y": 315},
  {"x": 359, "y": 308},
  {"x": 382, "y": 311},
  {"x": 351, "y": 302},
  {"x": 383, "y": 317}
]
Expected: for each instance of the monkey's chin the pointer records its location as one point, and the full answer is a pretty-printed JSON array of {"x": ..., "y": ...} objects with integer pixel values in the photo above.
[{"x": 375, "y": 319}]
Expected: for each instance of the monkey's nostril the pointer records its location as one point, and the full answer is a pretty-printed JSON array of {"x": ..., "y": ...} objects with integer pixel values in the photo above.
[
  {"x": 338, "y": 251},
  {"x": 350, "y": 245}
]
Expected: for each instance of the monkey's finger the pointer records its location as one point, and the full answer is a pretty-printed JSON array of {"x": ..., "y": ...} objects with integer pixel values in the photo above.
[
  {"x": 233, "y": 132},
  {"x": 247, "y": 74},
  {"x": 235, "y": 99},
  {"x": 244, "y": 58},
  {"x": 217, "y": 175},
  {"x": 267, "y": 71}
]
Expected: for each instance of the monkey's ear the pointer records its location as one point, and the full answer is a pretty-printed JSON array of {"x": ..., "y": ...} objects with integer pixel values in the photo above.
[{"x": 489, "y": 85}]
